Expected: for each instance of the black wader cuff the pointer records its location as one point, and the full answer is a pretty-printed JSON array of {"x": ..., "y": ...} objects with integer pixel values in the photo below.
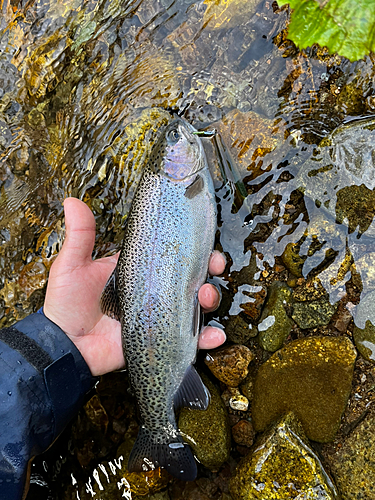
[
  {"x": 49, "y": 350},
  {"x": 43, "y": 383}
]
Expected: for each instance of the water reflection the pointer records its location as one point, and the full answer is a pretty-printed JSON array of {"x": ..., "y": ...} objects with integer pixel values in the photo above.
[{"x": 84, "y": 88}]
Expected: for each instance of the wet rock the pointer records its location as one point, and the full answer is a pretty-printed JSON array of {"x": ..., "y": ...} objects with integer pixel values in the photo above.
[
  {"x": 247, "y": 386},
  {"x": 250, "y": 300},
  {"x": 293, "y": 260},
  {"x": 312, "y": 307},
  {"x": 311, "y": 377},
  {"x": 313, "y": 314},
  {"x": 282, "y": 466},
  {"x": 342, "y": 319},
  {"x": 239, "y": 402},
  {"x": 243, "y": 433},
  {"x": 275, "y": 324},
  {"x": 229, "y": 364},
  {"x": 353, "y": 465},
  {"x": 364, "y": 339},
  {"x": 207, "y": 431},
  {"x": 97, "y": 414},
  {"x": 238, "y": 330},
  {"x": 310, "y": 290},
  {"x": 250, "y": 137},
  {"x": 356, "y": 205},
  {"x": 233, "y": 398},
  {"x": 159, "y": 495}
]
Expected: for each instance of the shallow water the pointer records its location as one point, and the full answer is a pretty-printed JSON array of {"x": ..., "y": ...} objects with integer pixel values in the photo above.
[{"x": 84, "y": 87}]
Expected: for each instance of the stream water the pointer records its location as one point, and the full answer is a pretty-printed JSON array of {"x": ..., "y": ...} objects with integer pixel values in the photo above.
[{"x": 85, "y": 86}]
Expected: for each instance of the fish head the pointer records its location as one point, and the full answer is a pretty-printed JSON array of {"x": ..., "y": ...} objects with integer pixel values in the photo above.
[{"x": 179, "y": 154}]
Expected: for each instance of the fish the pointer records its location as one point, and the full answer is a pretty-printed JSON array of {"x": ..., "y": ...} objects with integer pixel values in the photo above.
[{"x": 153, "y": 292}]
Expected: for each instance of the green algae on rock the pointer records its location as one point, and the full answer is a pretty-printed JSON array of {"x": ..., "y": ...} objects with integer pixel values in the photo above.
[
  {"x": 282, "y": 466},
  {"x": 207, "y": 432},
  {"x": 313, "y": 314},
  {"x": 238, "y": 330},
  {"x": 364, "y": 340},
  {"x": 311, "y": 377},
  {"x": 293, "y": 260},
  {"x": 275, "y": 324},
  {"x": 353, "y": 464},
  {"x": 229, "y": 364}
]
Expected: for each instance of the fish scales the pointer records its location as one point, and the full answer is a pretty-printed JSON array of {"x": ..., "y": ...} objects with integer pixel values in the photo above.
[
  {"x": 164, "y": 260},
  {"x": 161, "y": 294}
]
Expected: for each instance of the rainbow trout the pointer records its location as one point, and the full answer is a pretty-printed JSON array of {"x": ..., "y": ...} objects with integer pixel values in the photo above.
[{"x": 153, "y": 292}]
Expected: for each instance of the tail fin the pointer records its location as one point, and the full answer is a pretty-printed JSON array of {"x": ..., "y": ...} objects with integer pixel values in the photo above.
[{"x": 175, "y": 456}]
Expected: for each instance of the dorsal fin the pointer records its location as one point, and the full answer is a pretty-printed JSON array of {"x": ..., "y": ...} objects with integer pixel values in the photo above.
[
  {"x": 192, "y": 392},
  {"x": 109, "y": 303}
]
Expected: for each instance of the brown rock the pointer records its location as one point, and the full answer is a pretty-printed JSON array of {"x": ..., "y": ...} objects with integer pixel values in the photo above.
[
  {"x": 243, "y": 433},
  {"x": 230, "y": 364}
]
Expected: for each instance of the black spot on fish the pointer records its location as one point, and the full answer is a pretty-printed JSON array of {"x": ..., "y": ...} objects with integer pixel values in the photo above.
[{"x": 195, "y": 187}]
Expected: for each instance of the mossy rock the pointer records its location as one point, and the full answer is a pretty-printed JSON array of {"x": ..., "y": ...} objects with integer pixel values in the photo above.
[
  {"x": 275, "y": 324},
  {"x": 207, "y": 431},
  {"x": 311, "y": 377},
  {"x": 282, "y": 466}
]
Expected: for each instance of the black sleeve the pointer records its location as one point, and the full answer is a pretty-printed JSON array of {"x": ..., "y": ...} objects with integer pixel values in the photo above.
[{"x": 43, "y": 382}]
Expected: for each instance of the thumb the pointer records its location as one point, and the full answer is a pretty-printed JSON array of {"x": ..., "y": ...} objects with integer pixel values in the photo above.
[{"x": 80, "y": 232}]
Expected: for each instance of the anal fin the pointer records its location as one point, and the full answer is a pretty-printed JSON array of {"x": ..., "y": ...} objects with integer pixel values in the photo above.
[{"x": 192, "y": 392}]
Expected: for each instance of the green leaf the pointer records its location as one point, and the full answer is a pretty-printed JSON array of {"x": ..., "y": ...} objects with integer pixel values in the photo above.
[{"x": 344, "y": 26}]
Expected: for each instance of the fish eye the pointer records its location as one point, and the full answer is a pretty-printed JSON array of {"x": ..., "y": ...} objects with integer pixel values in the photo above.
[{"x": 173, "y": 135}]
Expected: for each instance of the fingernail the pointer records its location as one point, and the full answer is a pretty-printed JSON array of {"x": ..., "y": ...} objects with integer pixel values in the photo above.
[{"x": 212, "y": 336}]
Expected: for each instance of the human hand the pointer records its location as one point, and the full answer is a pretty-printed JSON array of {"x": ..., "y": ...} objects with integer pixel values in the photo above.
[{"x": 75, "y": 285}]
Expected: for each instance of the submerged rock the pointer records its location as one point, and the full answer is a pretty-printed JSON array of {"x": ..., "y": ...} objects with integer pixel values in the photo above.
[
  {"x": 343, "y": 163},
  {"x": 364, "y": 340},
  {"x": 313, "y": 314},
  {"x": 229, "y": 364},
  {"x": 239, "y": 402},
  {"x": 275, "y": 324},
  {"x": 353, "y": 464},
  {"x": 238, "y": 330},
  {"x": 207, "y": 432},
  {"x": 311, "y": 377},
  {"x": 311, "y": 307},
  {"x": 243, "y": 433},
  {"x": 293, "y": 260},
  {"x": 282, "y": 466}
]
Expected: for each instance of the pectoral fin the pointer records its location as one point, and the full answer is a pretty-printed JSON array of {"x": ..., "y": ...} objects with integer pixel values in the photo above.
[
  {"x": 109, "y": 300},
  {"x": 195, "y": 188},
  {"x": 197, "y": 318},
  {"x": 192, "y": 392}
]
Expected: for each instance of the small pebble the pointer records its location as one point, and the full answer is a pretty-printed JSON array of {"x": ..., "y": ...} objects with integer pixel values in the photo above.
[
  {"x": 239, "y": 403},
  {"x": 243, "y": 433}
]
